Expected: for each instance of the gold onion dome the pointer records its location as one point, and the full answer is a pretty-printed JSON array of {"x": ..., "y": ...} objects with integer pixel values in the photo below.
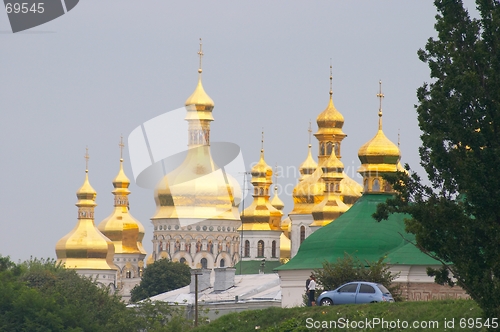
[
  {"x": 261, "y": 215},
  {"x": 308, "y": 166},
  {"x": 198, "y": 188},
  {"x": 121, "y": 227},
  {"x": 85, "y": 247},
  {"x": 276, "y": 202}
]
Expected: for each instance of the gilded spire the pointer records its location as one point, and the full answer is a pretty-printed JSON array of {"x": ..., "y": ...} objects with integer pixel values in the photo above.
[
  {"x": 331, "y": 79},
  {"x": 120, "y": 227},
  {"x": 199, "y": 98},
  {"x": 380, "y": 96},
  {"x": 378, "y": 156},
  {"x": 200, "y": 53},
  {"x": 86, "y": 191}
]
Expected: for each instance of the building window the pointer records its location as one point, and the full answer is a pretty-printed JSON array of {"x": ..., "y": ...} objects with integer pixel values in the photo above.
[
  {"x": 260, "y": 248},
  {"x": 222, "y": 263},
  {"x": 247, "y": 248},
  {"x": 302, "y": 234},
  {"x": 203, "y": 263},
  {"x": 128, "y": 274},
  {"x": 273, "y": 249},
  {"x": 376, "y": 185},
  {"x": 182, "y": 260},
  {"x": 329, "y": 148}
]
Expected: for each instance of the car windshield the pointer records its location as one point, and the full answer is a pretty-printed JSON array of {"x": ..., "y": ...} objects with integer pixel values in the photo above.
[{"x": 383, "y": 289}]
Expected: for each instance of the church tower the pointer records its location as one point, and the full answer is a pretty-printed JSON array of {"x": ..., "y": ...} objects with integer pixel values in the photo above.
[
  {"x": 85, "y": 249},
  {"x": 197, "y": 217},
  {"x": 261, "y": 222},
  {"x": 126, "y": 233},
  {"x": 378, "y": 156},
  {"x": 310, "y": 190}
]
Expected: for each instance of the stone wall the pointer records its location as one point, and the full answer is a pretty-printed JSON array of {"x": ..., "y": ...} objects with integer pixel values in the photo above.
[{"x": 425, "y": 291}]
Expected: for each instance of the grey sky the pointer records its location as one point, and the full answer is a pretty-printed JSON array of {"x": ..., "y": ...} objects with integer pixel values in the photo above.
[{"x": 108, "y": 66}]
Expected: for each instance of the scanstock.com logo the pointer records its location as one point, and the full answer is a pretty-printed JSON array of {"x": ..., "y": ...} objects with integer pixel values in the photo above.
[{"x": 26, "y": 14}]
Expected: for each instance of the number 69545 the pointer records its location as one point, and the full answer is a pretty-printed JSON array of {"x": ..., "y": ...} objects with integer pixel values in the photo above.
[{"x": 36, "y": 8}]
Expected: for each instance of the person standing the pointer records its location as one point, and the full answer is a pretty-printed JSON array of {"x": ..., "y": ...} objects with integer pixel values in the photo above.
[{"x": 312, "y": 290}]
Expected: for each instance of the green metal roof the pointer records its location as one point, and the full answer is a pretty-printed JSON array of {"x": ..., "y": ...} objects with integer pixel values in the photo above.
[
  {"x": 253, "y": 267},
  {"x": 358, "y": 234}
]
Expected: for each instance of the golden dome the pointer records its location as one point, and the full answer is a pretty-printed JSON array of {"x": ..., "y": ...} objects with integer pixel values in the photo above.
[
  {"x": 85, "y": 247},
  {"x": 120, "y": 227},
  {"x": 200, "y": 98},
  {"x": 276, "y": 202},
  {"x": 330, "y": 119},
  {"x": 197, "y": 189},
  {"x": 261, "y": 170},
  {"x": 308, "y": 166}
]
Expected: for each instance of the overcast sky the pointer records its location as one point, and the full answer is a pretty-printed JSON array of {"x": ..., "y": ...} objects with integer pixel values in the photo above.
[{"x": 106, "y": 67}]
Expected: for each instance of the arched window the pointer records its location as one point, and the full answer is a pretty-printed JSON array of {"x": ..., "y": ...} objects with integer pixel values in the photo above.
[
  {"x": 182, "y": 260},
  {"x": 247, "y": 248},
  {"x": 222, "y": 263},
  {"x": 128, "y": 274},
  {"x": 203, "y": 263},
  {"x": 329, "y": 148},
  {"x": 261, "y": 191},
  {"x": 387, "y": 187},
  {"x": 376, "y": 185},
  {"x": 337, "y": 149},
  {"x": 273, "y": 249},
  {"x": 260, "y": 248},
  {"x": 365, "y": 184},
  {"x": 322, "y": 149},
  {"x": 302, "y": 234}
]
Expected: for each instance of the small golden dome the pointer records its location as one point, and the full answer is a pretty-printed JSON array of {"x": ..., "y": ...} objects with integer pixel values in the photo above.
[
  {"x": 200, "y": 98},
  {"x": 308, "y": 166},
  {"x": 86, "y": 192},
  {"x": 330, "y": 117},
  {"x": 262, "y": 169},
  {"x": 276, "y": 201},
  {"x": 379, "y": 151},
  {"x": 85, "y": 247}
]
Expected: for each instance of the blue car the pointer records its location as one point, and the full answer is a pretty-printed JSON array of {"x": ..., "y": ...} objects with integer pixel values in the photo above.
[{"x": 356, "y": 292}]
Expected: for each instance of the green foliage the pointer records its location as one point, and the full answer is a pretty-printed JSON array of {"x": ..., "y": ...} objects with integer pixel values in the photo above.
[
  {"x": 456, "y": 218},
  {"x": 161, "y": 276},
  {"x": 294, "y": 319},
  {"x": 349, "y": 268},
  {"x": 40, "y": 295}
]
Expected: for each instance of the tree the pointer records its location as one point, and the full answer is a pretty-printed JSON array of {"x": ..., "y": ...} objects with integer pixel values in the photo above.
[
  {"x": 159, "y": 277},
  {"x": 456, "y": 219},
  {"x": 349, "y": 268}
]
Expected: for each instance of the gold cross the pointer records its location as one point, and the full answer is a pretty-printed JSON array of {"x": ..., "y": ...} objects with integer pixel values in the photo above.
[
  {"x": 86, "y": 159},
  {"x": 121, "y": 145},
  {"x": 380, "y": 95},
  {"x": 331, "y": 77},
  {"x": 276, "y": 176},
  {"x": 200, "y": 53},
  {"x": 262, "y": 141}
]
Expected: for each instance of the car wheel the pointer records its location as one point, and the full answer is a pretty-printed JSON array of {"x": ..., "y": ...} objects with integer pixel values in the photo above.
[{"x": 326, "y": 302}]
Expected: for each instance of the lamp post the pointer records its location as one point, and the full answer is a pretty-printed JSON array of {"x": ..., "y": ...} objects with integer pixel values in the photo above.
[{"x": 196, "y": 273}]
